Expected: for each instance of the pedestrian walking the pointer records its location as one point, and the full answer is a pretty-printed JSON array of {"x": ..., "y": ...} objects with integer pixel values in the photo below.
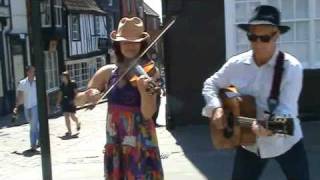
[
  {"x": 27, "y": 95},
  {"x": 66, "y": 100},
  {"x": 160, "y": 83}
]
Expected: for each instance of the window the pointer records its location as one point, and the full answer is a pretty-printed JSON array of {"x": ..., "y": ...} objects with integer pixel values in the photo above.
[
  {"x": 155, "y": 24},
  {"x": 45, "y": 13},
  {"x": 79, "y": 73},
  {"x": 100, "y": 62},
  {"x": 75, "y": 27},
  {"x": 301, "y": 41},
  {"x": 110, "y": 2},
  {"x": 129, "y": 6},
  {"x": 97, "y": 25},
  {"x": 3, "y": 2},
  {"x": 110, "y": 24},
  {"x": 51, "y": 70},
  {"x": 1, "y": 88},
  {"x": 58, "y": 13}
]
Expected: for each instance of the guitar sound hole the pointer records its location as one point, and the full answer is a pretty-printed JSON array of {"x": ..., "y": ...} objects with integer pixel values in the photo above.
[{"x": 228, "y": 131}]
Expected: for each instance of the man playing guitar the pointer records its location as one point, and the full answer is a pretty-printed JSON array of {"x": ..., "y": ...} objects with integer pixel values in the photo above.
[{"x": 252, "y": 73}]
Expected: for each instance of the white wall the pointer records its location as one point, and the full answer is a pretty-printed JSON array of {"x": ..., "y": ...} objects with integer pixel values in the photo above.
[
  {"x": 19, "y": 16},
  {"x": 302, "y": 41}
]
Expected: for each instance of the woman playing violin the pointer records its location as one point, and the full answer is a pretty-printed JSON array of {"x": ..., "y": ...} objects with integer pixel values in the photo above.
[{"x": 131, "y": 151}]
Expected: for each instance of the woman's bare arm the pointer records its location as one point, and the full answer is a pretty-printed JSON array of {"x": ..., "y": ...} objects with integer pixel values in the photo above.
[
  {"x": 148, "y": 101},
  {"x": 96, "y": 85}
]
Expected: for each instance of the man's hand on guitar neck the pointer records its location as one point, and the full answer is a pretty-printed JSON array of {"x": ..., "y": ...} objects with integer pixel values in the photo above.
[
  {"x": 259, "y": 130},
  {"x": 217, "y": 118}
]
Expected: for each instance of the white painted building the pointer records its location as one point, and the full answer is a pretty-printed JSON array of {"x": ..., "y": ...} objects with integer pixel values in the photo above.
[
  {"x": 303, "y": 16},
  {"x": 14, "y": 53},
  {"x": 20, "y": 52},
  {"x": 4, "y": 28}
]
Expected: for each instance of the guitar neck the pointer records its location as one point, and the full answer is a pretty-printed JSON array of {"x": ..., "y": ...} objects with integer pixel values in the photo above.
[{"x": 246, "y": 121}]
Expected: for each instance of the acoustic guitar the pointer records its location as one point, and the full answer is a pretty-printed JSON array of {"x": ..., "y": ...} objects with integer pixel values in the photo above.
[{"x": 240, "y": 112}]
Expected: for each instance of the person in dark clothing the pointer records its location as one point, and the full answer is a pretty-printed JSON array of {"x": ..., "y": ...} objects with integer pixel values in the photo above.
[
  {"x": 67, "y": 94},
  {"x": 160, "y": 81}
]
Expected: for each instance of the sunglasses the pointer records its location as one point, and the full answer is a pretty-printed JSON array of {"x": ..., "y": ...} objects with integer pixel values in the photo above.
[{"x": 263, "y": 38}]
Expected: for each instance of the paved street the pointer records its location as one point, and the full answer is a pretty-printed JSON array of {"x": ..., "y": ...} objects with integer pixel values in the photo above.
[{"x": 186, "y": 152}]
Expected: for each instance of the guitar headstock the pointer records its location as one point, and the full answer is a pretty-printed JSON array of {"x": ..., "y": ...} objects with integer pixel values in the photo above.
[{"x": 281, "y": 125}]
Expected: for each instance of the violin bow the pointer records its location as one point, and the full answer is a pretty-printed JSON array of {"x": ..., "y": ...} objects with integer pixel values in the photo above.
[{"x": 136, "y": 60}]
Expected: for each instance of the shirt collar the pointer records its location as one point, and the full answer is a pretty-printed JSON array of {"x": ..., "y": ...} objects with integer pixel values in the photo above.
[{"x": 271, "y": 62}]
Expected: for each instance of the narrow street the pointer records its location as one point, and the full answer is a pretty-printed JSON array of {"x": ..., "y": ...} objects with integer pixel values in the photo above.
[{"x": 186, "y": 152}]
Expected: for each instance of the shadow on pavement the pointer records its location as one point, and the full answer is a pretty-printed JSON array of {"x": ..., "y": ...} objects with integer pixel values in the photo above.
[
  {"x": 67, "y": 137},
  {"x": 27, "y": 153},
  {"x": 218, "y": 164},
  {"x": 196, "y": 144},
  {"x": 9, "y": 121}
]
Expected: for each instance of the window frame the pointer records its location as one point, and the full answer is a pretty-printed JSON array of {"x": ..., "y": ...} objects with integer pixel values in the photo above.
[
  {"x": 81, "y": 74},
  {"x": 58, "y": 16},
  {"x": 110, "y": 20},
  {"x": 77, "y": 29},
  {"x": 129, "y": 6},
  {"x": 110, "y": 2},
  {"x": 45, "y": 11},
  {"x": 52, "y": 70},
  {"x": 96, "y": 22},
  {"x": 310, "y": 59}
]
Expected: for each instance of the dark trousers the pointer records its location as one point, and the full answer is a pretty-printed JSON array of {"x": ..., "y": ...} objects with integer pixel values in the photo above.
[
  {"x": 155, "y": 115},
  {"x": 294, "y": 164}
]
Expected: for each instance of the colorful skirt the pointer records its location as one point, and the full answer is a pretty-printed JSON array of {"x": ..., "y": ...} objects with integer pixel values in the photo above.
[{"x": 131, "y": 151}]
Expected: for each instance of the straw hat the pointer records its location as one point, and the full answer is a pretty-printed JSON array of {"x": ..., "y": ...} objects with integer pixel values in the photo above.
[{"x": 131, "y": 30}]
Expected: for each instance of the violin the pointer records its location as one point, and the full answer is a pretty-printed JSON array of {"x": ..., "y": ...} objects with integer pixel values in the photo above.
[
  {"x": 137, "y": 67},
  {"x": 147, "y": 69}
]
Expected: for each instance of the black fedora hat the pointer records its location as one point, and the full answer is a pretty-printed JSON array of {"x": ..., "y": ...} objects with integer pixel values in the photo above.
[{"x": 265, "y": 15}]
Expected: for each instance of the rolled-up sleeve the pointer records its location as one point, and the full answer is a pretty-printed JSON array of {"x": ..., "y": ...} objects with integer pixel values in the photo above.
[{"x": 211, "y": 88}]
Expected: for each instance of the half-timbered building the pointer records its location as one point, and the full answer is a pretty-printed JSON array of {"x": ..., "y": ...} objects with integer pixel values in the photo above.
[{"x": 86, "y": 27}]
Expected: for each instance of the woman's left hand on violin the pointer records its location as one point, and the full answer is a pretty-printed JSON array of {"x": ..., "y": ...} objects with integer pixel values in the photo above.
[{"x": 147, "y": 86}]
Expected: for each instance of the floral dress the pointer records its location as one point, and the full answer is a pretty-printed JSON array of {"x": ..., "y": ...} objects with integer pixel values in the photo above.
[{"x": 131, "y": 151}]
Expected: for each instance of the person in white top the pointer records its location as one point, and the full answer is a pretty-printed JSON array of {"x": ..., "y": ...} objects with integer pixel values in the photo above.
[
  {"x": 252, "y": 74},
  {"x": 27, "y": 95}
]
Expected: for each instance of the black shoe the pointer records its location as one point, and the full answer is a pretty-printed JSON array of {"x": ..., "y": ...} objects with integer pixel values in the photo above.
[{"x": 33, "y": 148}]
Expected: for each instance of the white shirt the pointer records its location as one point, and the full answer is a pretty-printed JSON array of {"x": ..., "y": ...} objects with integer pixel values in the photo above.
[
  {"x": 242, "y": 72},
  {"x": 29, "y": 92}
]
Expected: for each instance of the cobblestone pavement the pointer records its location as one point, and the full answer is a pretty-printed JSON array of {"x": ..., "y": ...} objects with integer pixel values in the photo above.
[
  {"x": 78, "y": 157},
  {"x": 186, "y": 152}
]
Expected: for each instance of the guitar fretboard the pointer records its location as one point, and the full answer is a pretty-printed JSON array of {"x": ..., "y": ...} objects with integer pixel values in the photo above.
[{"x": 245, "y": 121}]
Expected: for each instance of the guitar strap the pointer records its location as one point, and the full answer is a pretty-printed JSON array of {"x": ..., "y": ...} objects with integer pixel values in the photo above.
[{"x": 273, "y": 99}]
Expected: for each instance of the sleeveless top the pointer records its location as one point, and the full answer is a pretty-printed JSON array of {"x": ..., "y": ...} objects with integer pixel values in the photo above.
[
  {"x": 68, "y": 90},
  {"x": 126, "y": 95}
]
